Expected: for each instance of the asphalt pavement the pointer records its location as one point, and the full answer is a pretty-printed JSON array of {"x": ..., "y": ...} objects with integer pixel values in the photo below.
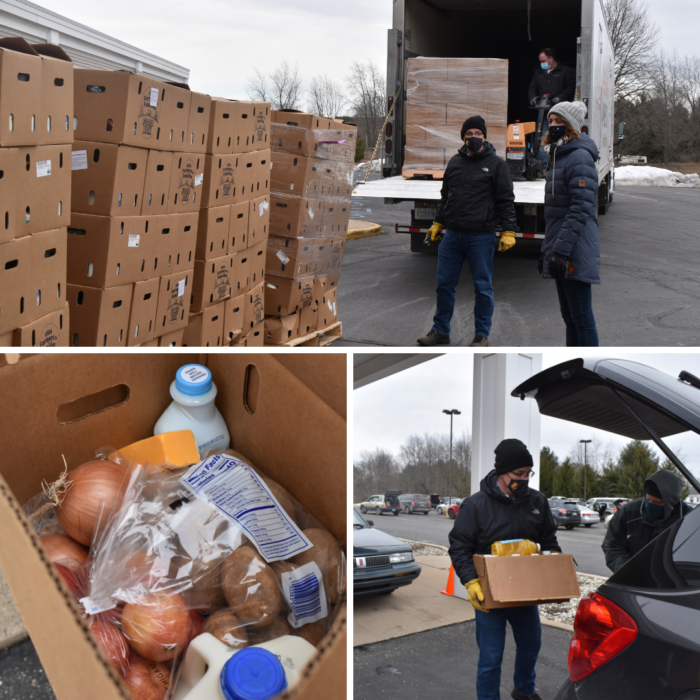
[
  {"x": 22, "y": 675},
  {"x": 441, "y": 663},
  {"x": 584, "y": 543},
  {"x": 648, "y": 296}
]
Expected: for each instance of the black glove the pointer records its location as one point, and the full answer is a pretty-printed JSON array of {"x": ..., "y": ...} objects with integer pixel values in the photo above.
[
  {"x": 540, "y": 264},
  {"x": 533, "y": 101},
  {"x": 557, "y": 266}
]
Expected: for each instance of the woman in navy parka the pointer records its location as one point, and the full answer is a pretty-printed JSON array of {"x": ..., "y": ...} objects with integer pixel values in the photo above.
[{"x": 571, "y": 249}]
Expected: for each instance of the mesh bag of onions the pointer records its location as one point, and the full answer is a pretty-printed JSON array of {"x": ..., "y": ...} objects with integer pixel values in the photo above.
[{"x": 154, "y": 561}]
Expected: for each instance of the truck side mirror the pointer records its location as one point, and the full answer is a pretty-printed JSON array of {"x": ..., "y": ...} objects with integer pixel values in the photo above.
[{"x": 621, "y": 131}]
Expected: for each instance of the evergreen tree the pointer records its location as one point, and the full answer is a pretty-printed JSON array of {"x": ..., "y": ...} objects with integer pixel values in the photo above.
[
  {"x": 593, "y": 483},
  {"x": 549, "y": 463},
  {"x": 563, "y": 481},
  {"x": 609, "y": 483},
  {"x": 637, "y": 463}
]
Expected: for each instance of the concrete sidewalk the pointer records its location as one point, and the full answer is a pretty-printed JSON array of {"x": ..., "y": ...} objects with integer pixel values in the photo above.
[{"x": 12, "y": 629}]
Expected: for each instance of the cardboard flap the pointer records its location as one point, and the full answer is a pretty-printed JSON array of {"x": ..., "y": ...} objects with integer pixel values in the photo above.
[
  {"x": 52, "y": 51},
  {"x": 184, "y": 86},
  {"x": 15, "y": 43}
]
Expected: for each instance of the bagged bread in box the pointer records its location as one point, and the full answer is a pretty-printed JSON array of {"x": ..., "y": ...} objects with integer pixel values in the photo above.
[{"x": 178, "y": 551}]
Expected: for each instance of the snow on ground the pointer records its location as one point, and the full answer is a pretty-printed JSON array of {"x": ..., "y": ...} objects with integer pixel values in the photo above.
[
  {"x": 361, "y": 168},
  {"x": 648, "y": 176}
]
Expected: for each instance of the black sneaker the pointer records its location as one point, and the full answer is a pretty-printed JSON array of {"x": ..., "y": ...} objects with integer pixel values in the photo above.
[
  {"x": 480, "y": 341},
  {"x": 517, "y": 696},
  {"x": 434, "y": 338}
]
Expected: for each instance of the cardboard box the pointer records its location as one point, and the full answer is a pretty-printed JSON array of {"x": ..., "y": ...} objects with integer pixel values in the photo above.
[
  {"x": 258, "y": 256},
  {"x": 301, "y": 176},
  {"x": 9, "y": 202},
  {"x": 6, "y": 339},
  {"x": 155, "y": 342},
  {"x": 186, "y": 183},
  {"x": 107, "y": 180},
  {"x": 308, "y": 320},
  {"x": 171, "y": 340},
  {"x": 56, "y": 121},
  {"x": 74, "y": 664},
  {"x": 156, "y": 186},
  {"x": 99, "y": 317},
  {"x": 325, "y": 300},
  {"x": 280, "y": 329},
  {"x": 213, "y": 233},
  {"x": 106, "y": 252},
  {"x": 535, "y": 579},
  {"x": 290, "y": 257},
  {"x": 259, "y": 220},
  {"x": 240, "y": 225},
  {"x": 16, "y": 283},
  {"x": 198, "y": 123},
  {"x": 212, "y": 282},
  {"x": 142, "y": 319},
  {"x": 337, "y": 255},
  {"x": 284, "y": 296},
  {"x": 173, "y": 309},
  {"x": 176, "y": 104},
  {"x": 296, "y": 217},
  {"x": 20, "y": 93},
  {"x": 240, "y": 277},
  {"x": 255, "y": 338},
  {"x": 219, "y": 180},
  {"x": 43, "y": 188},
  {"x": 221, "y": 128},
  {"x": 252, "y": 175},
  {"x": 304, "y": 134},
  {"x": 186, "y": 241},
  {"x": 336, "y": 215},
  {"x": 205, "y": 329},
  {"x": 176, "y": 241},
  {"x": 251, "y": 126},
  {"x": 254, "y": 307},
  {"x": 50, "y": 331},
  {"x": 234, "y": 311},
  {"x": 48, "y": 258}
]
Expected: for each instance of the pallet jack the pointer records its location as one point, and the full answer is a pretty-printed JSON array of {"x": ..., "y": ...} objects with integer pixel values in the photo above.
[{"x": 523, "y": 143}]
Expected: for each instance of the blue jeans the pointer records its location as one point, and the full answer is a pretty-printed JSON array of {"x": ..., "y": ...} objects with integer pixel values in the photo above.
[
  {"x": 456, "y": 248},
  {"x": 576, "y": 304},
  {"x": 491, "y": 638}
]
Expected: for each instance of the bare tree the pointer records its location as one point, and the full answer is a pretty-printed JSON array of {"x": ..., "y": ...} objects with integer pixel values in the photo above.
[
  {"x": 325, "y": 97},
  {"x": 258, "y": 87},
  {"x": 367, "y": 94},
  {"x": 284, "y": 87}
]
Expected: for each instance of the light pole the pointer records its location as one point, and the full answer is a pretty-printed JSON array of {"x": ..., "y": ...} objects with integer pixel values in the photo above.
[
  {"x": 451, "y": 414},
  {"x": 585, "y": 464}
]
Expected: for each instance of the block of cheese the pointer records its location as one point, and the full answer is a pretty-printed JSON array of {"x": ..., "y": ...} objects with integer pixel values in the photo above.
[{"x": 176, "y": 449}]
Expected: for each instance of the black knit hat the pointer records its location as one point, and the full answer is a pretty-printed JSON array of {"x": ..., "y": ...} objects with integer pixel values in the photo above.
[
  {"x": 652, "y": 489},
  {"x": 511, "y": 454},
  {"x": 474, "y": 123}
]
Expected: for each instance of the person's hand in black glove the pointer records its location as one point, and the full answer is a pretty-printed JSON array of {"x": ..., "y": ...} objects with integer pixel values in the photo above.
[
  {"x": 540, "y": 264},
  {"x": 557, "y": 266},
  {"x": 555, "y": 100},
  {"x": 533, "y": 101}
]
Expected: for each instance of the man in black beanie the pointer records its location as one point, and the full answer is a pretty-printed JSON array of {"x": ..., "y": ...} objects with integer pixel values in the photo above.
[
  {"x": 476, "y": 196},
  {"x": 639, "y": 521},
  {"x": 505, "y": 508}
]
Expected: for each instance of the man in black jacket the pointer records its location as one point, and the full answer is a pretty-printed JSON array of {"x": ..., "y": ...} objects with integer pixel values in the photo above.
[
  {"x": 504, "y": 509},
  {"x": 477, "y": 194},
  {"x": 639, "y": 521},
  {"x": 552, "y": 78}
]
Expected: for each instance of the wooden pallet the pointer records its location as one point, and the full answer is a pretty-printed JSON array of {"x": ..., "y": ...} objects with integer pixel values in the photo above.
[
  {"x": 422, "y": 173},
  {"x": 317, "y": 339}
]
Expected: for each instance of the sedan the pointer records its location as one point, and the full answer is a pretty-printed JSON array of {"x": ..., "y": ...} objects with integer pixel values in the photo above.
[
  {"x": 381, "y": 563},
  {"x": 588, "y": 517},
  {"x": 446, "y": 502}
]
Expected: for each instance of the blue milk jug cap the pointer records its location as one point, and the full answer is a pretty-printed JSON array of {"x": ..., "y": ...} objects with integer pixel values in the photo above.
[
  {"x": 193, "y": 380},
  {"x": 252, "y": 674}
]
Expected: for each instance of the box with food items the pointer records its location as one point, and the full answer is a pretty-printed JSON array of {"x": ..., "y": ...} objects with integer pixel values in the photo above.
[{"x": 171, "y": 565}]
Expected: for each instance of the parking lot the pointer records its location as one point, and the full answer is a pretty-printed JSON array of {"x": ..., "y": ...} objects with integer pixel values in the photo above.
[
  {"x": 584, "y": 543},
  {"x": 648, "y": 296}
]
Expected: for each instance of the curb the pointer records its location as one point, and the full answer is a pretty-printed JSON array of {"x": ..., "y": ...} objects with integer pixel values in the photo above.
[
  {"x": 556, "y": 625},
  {"x": 424, "y": 544},
  {"x": 360, "y": 229},
  {"x": 12, "y": 639}
]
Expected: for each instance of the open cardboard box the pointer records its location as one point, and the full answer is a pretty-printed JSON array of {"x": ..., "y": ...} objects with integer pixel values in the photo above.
[
  {"x": 275, "y": 406},
  {"x": 531, "y": 580}
]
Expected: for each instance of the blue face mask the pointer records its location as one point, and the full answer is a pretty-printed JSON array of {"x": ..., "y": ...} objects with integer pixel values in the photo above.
[
  {"x": 545, "y": 66},
  {"x": 656, "y": 512},
  {"x": 556, "y": 133}
]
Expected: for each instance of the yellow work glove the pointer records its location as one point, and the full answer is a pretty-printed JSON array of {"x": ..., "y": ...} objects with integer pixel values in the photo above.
[
  {"x": 507, "y": 241},
  {"x": 434, "y": 233},
  {"x": 475, "y": 594}
]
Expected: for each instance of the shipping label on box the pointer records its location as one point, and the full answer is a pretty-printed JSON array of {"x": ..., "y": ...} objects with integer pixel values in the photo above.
[
  {"x": 99, "y": 317},
  {"x": 48, "y": 256},
  {"x": 16, "y": 284},
  {"x": 259, "y": 220},
  {"x": 240, "y": 224},
  {"x": 173, "y": 303},
  {"x": 205, "y": 329},
  {"x": 56, "y": 121},
  {"x": 283, "y": 296},
  {"x": 49, "y": 331},
  {"x": 198, "y": 123},
  {"x": 142, "y": 319},
  {"x": 213, "y": 233},
  {"x": 186, "y": 183},
  {"x": 156, "y": 187},
  {"x": 234, "y": 312},
  {"x": 212, "y": 282}
]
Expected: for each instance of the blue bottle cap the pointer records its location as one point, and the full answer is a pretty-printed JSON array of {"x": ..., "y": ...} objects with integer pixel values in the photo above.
[
  {"x": 193, "y": 380},
  {"x": 252, "y": 674}
]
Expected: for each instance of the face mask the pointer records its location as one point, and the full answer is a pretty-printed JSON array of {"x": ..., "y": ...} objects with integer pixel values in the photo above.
[
  {"x": 557, "y": 132},
  {"x": 545, "y": 66},
  {"x": 656, "y": 512},
  {"x": 474, "y": 143},
  {"x": 518, "y": 485}
]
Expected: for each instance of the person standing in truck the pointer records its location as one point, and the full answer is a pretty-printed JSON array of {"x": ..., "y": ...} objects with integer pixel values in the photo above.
[
  {"x": 477, "y": 194},
  {"x": 504, "y": 508}
]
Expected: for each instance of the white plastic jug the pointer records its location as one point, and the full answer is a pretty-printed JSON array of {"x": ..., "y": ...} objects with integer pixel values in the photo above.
[
  {"x": 213, "y": 671},
  {"x": 193, "y": 408}
]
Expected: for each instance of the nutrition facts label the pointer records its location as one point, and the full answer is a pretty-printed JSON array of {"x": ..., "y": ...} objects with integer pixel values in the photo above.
[{"x": 235, "y": 490}]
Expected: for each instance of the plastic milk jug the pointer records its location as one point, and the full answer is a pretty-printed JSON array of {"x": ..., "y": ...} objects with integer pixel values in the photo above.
[
  {"x": 193, "y": 409},
  {"x": 213, "y": 671}
]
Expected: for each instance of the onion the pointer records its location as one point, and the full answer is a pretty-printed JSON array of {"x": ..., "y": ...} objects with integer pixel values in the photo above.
[
  {"x": 112, "y": 641},
  {"x": 62, "y": 547},
  {"x": 89, "y": 487}
]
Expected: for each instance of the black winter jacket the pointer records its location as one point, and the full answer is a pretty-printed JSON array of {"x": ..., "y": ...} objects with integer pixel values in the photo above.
[
  {"x": 560, "y": 82},
  {"x": 477, "y": 193},
  {"x": 632, "y": 528},
  {"x": 490, "y": 516}
]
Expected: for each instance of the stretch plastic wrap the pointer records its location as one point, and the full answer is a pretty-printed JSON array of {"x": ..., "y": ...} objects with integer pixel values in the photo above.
[{"x": 441, "y": 94}]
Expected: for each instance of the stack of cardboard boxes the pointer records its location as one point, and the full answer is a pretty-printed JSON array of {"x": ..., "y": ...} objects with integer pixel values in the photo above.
[
  {"x": 138, "y": 168},
  {"x": 233, "y": 226},
  {"x": 36, "y": 130},
  {"x": 312, "y": 180}
]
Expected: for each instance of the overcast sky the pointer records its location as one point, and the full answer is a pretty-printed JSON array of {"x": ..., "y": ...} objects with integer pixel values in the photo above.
[
  {"x": 411, "y": 402},
  {"x": 223, "y": 41}
]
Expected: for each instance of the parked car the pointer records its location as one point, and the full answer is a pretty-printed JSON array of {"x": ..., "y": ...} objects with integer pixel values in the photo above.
[
  {"x": 597, "y": 504},
  {"x": 415, "y": 503},
  {"x": 380, "y": 504},
  {"x": 565, "y": 513},
  {"x": 454, "y": 509},
  {"x": 640, "y": 625},
  {"x": 446, "y": 502},
  {"x": 588, "y": 516},
  {"x": 435, "y": 500},
  {"x": 381, "y": 563}
]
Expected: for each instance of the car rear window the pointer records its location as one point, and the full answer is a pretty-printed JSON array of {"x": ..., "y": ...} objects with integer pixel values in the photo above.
[{"x": 671, "y": 561}]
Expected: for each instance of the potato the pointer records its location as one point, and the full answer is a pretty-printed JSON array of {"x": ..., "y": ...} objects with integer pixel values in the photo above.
[
  {"x": 314, "y": 632},
  {"x": 329, "y": 559},
  {"x": 278, "y": 628},
  {"x": 283, "y": 497},
  {"x": 250, "y": 587},
  {"x": 227, "y": 628},
  {"x": 282, "y": 567},
  {"x": 206, "y": 593}
]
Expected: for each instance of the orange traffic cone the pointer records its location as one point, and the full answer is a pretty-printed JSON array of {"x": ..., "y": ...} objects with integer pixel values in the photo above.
[{"x": 450, "y": 590}]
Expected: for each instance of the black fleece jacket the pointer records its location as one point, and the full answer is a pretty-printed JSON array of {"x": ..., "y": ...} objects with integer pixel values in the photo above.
[{"x": 490, "y": 516}]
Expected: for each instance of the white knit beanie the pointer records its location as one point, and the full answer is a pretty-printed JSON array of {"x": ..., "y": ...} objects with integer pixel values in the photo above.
[{"x": 573, "y": 112}]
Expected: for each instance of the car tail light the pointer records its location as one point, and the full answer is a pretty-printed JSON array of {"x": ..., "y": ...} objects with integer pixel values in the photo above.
[
  {"x": 601, "y": 630},
  {"x": 562, "y": 511}
]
